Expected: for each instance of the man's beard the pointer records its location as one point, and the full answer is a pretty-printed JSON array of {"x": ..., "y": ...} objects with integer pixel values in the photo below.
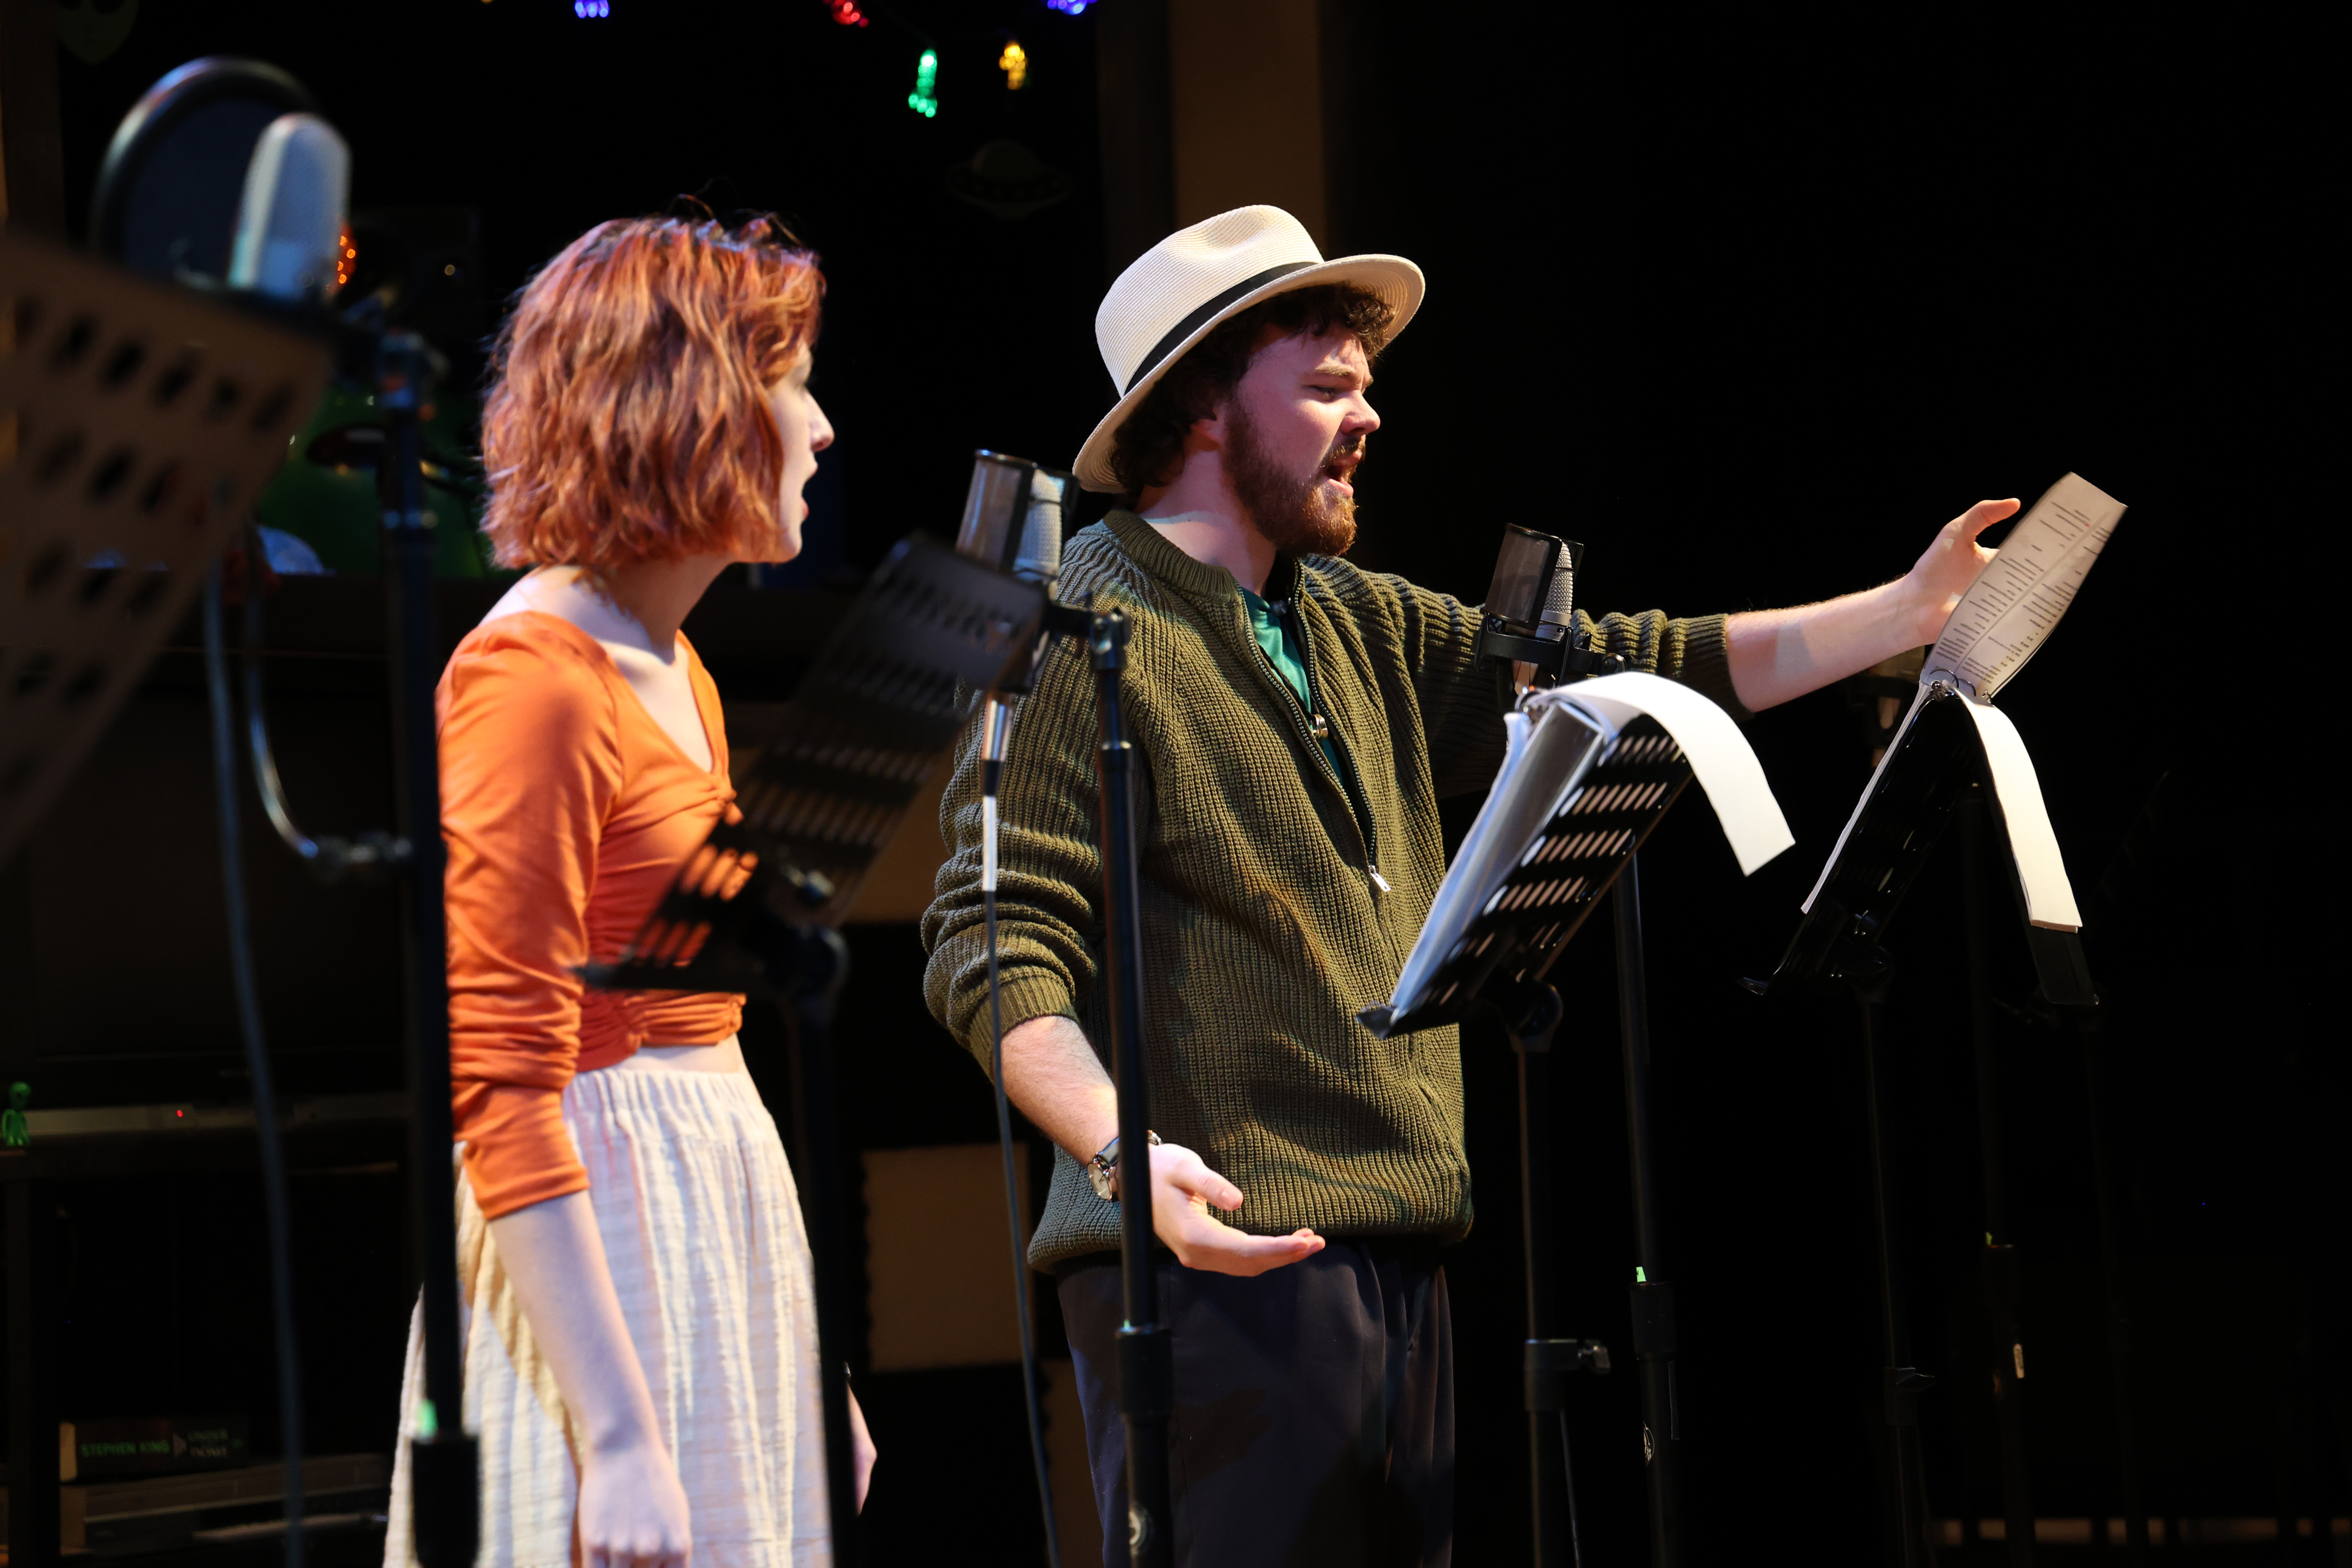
[{"x": 1292, "y": 512}]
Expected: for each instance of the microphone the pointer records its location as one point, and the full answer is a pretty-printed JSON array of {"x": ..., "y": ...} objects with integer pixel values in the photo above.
[
  {"x": 1012, "y": 516},
  {"x": 1012, "y": 520},
  {"x": 290, "y": 222},
  {"x": 1529, "y": 609},
  {"x": 1038, "y": 558}
]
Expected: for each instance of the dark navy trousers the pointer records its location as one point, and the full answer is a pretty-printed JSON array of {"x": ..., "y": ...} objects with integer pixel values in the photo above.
[{"x": 1314, "y": 1424}]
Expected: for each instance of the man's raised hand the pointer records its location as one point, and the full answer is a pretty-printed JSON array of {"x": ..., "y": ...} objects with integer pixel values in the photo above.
[
  {"x": 1935, "y": 582},
  {"x": 1183, "y": 1191}
]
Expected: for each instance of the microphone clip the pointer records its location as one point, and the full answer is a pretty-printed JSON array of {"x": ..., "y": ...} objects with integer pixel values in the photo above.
[
  {"x": 1556, "y": 661},
  {"x": 1530, "y": 619}
]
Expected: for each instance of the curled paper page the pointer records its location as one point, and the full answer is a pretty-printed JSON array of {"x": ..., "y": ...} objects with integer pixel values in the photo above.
[
  {"x": 1719, "y": 754},
  {"x": 2033, "y": 843}
]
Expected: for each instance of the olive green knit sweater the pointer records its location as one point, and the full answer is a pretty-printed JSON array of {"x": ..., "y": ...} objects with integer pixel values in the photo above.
[{"x": 1265, "y": 929}]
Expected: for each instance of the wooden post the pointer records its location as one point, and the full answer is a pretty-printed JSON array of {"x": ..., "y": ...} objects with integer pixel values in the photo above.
[{"x": 32, "y": 142}]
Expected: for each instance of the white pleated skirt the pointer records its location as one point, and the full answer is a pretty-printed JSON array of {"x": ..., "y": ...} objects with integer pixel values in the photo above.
[{"x": 701, "y": 1226}]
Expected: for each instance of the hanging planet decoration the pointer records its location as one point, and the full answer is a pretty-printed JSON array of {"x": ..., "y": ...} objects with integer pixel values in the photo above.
[{"x": 1006, "y": 179}]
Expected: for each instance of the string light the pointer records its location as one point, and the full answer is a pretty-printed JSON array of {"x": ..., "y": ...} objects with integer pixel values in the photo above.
[
  {"x": 347, "y": 256},
  {"x": 592, "y": 9},
  {"x": 923, "y": 101},
  {"x": 846, "y": 13},
  {"x": 1014, "y": 63},
  {"x": 1069, "y": 7}
]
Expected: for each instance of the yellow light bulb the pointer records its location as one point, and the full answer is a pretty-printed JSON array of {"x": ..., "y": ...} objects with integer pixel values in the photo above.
[{"x": 1014, "y": 63}]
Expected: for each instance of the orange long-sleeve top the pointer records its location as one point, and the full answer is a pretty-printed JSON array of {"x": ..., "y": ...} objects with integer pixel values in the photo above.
[{"x": 567, "y": 811}]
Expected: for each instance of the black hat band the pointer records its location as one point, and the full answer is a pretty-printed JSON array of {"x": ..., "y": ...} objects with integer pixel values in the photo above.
[{"x": 1201, "y": 313}]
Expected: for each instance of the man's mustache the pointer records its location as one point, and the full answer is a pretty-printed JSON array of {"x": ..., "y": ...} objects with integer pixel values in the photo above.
[{"x": 1349, "y": 452}]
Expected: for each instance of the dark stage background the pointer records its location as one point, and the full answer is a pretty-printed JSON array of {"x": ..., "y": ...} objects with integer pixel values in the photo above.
[{"x": 1750, "y": 305}]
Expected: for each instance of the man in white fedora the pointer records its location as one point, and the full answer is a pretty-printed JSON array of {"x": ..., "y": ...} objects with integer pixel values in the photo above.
[{"x": 1298, "y": 720}]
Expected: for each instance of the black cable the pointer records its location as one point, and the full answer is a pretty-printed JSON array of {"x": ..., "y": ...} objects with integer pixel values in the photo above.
[
  {"x": 329, "y": 857},
  {"x": 1019, "y": 1260},
  {"x": 257, "y": 731},
  {"x": 256, "y": 1057},
  {"x": 1575, "y": 1538}
]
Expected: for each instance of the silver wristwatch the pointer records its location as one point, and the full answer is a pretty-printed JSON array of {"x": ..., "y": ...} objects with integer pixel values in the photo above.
[{"x": 1103, "y": 1169}]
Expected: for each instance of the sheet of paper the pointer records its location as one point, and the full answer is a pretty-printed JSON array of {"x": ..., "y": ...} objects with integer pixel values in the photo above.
[
  {"x": 2016, "y": 601},
  {"x": 2041, "y": 870},
  {"x": 1719, "y": 754}
]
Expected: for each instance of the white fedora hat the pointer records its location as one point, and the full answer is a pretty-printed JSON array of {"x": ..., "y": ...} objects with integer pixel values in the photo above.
[{"x": 1172, "y": 295}]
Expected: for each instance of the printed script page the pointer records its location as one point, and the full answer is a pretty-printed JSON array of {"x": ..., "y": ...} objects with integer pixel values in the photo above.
[{"x": 2017, "y": 600}]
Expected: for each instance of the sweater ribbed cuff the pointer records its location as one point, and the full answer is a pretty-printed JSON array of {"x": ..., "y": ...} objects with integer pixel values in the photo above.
[
  {"x": 1706, "y": 663},
  {"x": 1025, "y": 996}
]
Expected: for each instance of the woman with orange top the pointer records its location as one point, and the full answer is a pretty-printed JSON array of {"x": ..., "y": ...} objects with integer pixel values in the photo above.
[{"x": 640, "y": 1320}]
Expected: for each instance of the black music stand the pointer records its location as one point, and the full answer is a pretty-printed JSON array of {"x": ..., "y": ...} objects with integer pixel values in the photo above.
[
  {"x": 1937, "y": 760},
  {"x": 137, "y": 422},
  {"x": 754, "y": 908},
  {"x": 1499, "y": 965}
]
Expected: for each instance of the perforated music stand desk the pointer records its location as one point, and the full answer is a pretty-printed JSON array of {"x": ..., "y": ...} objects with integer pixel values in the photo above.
[
  {"x": 137, "y": 423},
  {"x": 1548, "y": 895}
]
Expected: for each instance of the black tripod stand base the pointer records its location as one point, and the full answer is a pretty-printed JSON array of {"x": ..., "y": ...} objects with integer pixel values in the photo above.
[{"x": 445, "y": 1473}]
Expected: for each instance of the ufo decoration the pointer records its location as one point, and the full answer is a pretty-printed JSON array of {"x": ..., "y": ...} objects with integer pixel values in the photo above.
[{"x": 1006, "y": 179}]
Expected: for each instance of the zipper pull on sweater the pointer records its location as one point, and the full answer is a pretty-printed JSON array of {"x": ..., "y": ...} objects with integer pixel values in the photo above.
[{"x": 1378, "y": 880}]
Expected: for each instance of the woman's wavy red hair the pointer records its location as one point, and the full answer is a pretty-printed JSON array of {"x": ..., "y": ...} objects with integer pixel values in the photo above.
[{"x": 627, "y": 418}]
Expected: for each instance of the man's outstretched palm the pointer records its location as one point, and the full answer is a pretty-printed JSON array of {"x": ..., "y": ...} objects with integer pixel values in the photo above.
[{"x": 1184, "y": 1193}]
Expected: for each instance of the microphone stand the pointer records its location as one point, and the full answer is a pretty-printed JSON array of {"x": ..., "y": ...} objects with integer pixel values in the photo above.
[
  {"x": 1533, "y": 575},
  {"x": 1653, "y": 1298},
  {"x": 1146, "y": 1355},
  {"x": 447, "y": 1478}
]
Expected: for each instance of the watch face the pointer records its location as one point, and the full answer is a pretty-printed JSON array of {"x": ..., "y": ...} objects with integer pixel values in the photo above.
[{"x": 1102, "y": 1179}]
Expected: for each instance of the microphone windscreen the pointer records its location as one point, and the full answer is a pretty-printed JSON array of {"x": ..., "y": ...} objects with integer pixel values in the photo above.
[
  {"x": 1039, "y": 558},
  {"x": 1012, "y": 516},
  {"x": 1559, "y": 599},
  {"x": 989, "y": 524},
  {"x": 290, "y": 225},
  {"x": 1523, "y": 573}
]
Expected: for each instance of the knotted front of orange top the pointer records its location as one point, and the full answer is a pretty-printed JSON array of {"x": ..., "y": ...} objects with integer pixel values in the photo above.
[{"x": 567, "y": 813}]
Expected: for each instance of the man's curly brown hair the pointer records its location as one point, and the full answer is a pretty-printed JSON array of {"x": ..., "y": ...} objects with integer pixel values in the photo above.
[{"x": 1148, "y": 449}]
